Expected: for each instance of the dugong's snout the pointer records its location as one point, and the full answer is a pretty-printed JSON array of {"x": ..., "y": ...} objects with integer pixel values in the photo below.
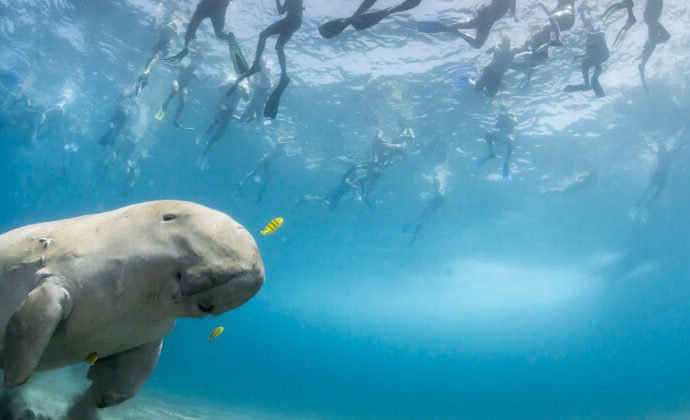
[{"x": 225, "y": 270}]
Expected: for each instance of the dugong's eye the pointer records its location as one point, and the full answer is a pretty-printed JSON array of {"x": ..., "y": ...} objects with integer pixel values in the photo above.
[{"x": 169, "y": 217}]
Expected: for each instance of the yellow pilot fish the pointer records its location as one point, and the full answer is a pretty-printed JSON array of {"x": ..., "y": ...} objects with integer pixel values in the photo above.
[
  {"x": 92, "y": 358},
  {"x": 272, "y": 226},
  {"x": 215, "y": 333}
]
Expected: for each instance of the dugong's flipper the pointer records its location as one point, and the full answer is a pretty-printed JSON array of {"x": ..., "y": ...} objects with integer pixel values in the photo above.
[
  {"x": 30, "y": 329},
  {"x": 119, "y": 377}
]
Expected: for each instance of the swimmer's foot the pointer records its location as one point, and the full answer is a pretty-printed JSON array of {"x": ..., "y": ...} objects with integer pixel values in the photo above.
[
  {"x": 177, "y": 124},
  {"x": 632, "y": 213}
]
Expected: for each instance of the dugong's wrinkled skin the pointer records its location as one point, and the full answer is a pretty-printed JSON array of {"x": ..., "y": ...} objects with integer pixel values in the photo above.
[{"x": 114, "y": 283}]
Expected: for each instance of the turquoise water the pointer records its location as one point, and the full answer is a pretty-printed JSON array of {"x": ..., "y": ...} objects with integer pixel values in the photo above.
[{"x": 510, "y": 303}]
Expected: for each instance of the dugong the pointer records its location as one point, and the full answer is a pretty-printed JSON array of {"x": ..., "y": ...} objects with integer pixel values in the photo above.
[{"x": 113, "y": 284}]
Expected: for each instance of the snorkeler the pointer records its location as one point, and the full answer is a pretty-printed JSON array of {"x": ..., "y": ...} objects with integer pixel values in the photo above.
[
  {"x": 492, "y": 75},
  {"x": 505, "y": 125},
  {"x": 596, "y": 53},
  {"x": 484, "y": 19},
  {"x": 179, "y": 89},
  {"x": 627, "y": 5},
  {"x": 215, "y": 10},
  {"x": 561, "y": 18},
  {"x": 166, "y": 36},
  {"x": 535, "y": 51},
  {"x": 284, "y": 28},
  {"x": 435, "y": 198},
  {"x": 260, "y": 87},
  {"x": 117, "y": 122},
  {"x": 360, "y": 20},
  {"x": 577, "y": 182},
  {"x": 656, "y": 34},
  {"x": 261, "y": 174},
  {"x": 224, "y": 115},
  {"x": 353, "y": 178},
  {"x": 657, "y": 182}
]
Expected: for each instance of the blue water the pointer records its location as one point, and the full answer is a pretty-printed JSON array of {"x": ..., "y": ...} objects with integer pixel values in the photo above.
[{"x": 509, "y": 303}]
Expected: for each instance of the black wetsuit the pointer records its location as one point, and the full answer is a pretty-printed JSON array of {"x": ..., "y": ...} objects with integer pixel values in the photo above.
[
  {"x": 213, "y": 9},
  {"x": 484, "y": 20},
  {"x": 564, "y": 14},
  {"x": 652, "y": 13},
  {"x": 596, "y": 53},
  {"x": 284, "y": 28}
]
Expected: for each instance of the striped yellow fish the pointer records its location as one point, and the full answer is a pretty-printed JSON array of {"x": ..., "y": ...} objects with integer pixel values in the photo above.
[
  {"x": 92, "y": 358},
  {"x": 215, "y": 333},
  {"x": 272, "y": 226}
]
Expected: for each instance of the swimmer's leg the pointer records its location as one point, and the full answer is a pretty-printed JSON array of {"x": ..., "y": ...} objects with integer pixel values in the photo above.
[
  {"x": 481, "y": 37},
  {"x": 598, "y": 90},
  {"x": 274, "y": 29},
  {"x": 181, "y": 102},
  {"x": 218, "y": 22}
]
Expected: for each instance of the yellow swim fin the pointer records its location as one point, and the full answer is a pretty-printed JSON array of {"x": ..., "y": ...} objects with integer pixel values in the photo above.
[{"x": 160, "y": 114}]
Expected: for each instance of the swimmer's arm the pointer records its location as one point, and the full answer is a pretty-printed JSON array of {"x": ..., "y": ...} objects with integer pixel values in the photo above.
[{"x": 511, "y": 9}]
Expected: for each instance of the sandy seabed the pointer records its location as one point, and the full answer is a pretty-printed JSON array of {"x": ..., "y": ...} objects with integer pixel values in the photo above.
[{"x": 50, "y": 394}]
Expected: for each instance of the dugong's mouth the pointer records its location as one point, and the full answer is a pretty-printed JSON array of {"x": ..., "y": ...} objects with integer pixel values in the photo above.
[{"x": 205, "y": 308}]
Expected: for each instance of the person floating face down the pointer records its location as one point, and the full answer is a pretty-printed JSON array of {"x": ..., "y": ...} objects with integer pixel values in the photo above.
[
  {"x": 657, "y": 183},
  {"x": 206, "y": 9},
  {"x": 435, "y": 199},
  {"x": 361, "y": 20},
  {"x": 261, "y": 174},
  {"x": 224, "y": 115},
  {"x": 260, "y": 87},
  {"x": 284, "y": 28},
  {"x": 656, "y": 34},
  {"x": 490, "y": 80},
  {"x": 596, "y": 54},
  {"x": 179, "y": 90},
  {"x": 623, "y": 5},
  {"x": 167, "y": 33},
  {"x": 505, "y": 125},
  {"x": 561, "y": 18},
  {"x": 483, "y": 21},
  {"x": 535, "y": 51},
  {"x": 117, "y": 121}
]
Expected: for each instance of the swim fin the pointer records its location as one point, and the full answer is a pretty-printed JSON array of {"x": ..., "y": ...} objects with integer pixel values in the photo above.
[
  {"x": 177, "y": 57},
  {"x": 430, "y": 27},
  {"x": 271, "y": 108},
  {"x": 576, "y": 88},
  {"x": 238, "y": 60},
  {"x": 640, "y": 68},
  {"x": 367, "y": 20},
  {"x": 160, "y": 114},
  {"x": 334, "y": 27},
  {"x": 460, "y": 79}
]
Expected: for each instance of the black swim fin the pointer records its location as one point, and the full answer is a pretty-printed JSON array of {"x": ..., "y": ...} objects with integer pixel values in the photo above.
[
  {"x": 367, "y": 20},
  {"x": 334, "y": 27},
  {"x": 576, "y": 88},
  {"x": 177, "y": 57},
  {"x": 271, "y": 108},
  {"x": 238, "y": 60}
]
